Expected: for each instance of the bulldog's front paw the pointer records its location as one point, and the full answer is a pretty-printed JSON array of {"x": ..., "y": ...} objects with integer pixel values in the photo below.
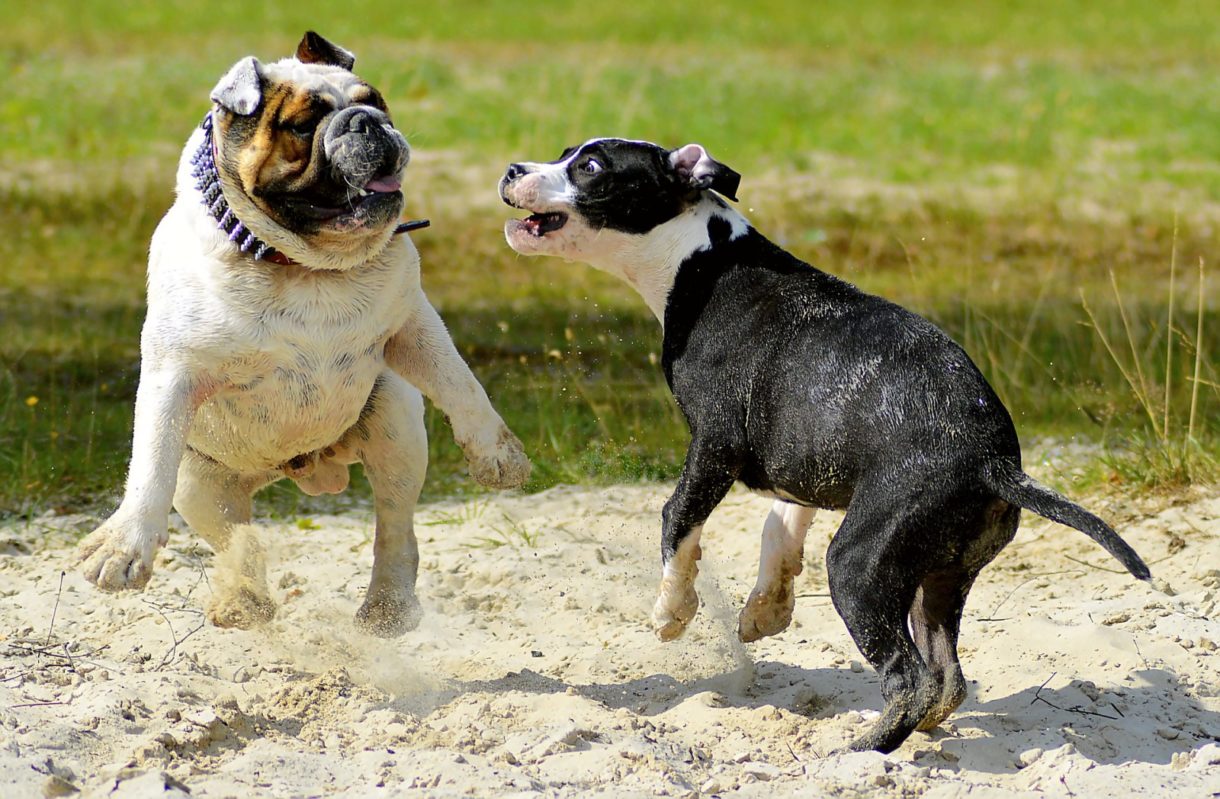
[
  {"x": 388, "y": 616},
  {"x": 119, "y": 555},
  {"x": 242, "y": 609},
  {"x": 676, "y": 605},
  {"x": 497, "y": 460}
]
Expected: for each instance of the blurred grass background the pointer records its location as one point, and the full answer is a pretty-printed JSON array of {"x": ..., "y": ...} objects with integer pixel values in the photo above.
[{"x": 992, "y": 166}]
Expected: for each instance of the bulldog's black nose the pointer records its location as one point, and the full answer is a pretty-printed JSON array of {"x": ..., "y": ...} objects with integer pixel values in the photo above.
[
  {"x": 514, "y": 171},
  {"x": 359, "y": 122}
]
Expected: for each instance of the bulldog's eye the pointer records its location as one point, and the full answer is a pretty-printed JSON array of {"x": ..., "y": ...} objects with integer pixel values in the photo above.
[
  {"x": 591, "y": 167},
  {"x": 303, "y": 127}
]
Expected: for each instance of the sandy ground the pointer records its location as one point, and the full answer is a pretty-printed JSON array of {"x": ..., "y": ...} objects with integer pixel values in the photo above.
[{"x": 534, "y": 673}]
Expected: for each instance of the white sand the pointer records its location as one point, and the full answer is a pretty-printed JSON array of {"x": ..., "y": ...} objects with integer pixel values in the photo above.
[{"x": 534, "y": 671}]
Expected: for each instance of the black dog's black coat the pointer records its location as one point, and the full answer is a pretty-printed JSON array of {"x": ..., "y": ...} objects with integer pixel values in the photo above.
[
  {"x": 796, "y": 383},
  {"x": 812, "y": 385}
]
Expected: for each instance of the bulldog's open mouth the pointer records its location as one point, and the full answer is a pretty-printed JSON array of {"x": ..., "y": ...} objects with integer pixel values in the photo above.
[{"x": 328, "y": 206}]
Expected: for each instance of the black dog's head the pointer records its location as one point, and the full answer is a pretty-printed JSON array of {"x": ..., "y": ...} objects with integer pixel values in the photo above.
[{"x": 619, "y": 185}]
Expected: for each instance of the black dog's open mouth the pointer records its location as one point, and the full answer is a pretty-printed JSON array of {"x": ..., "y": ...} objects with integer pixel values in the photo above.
[
  {"x": 326, "y": 206},
  {"x": 541, "y": 224}
]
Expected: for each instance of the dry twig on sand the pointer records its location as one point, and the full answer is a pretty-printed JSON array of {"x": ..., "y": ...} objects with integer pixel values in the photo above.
[{"x": 1073, "y": 709}]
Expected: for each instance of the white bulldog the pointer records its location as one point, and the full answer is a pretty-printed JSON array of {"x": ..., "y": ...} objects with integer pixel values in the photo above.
[{"x": 287, "y": 335}]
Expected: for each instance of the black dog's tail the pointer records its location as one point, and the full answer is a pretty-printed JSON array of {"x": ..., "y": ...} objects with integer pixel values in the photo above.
[{"x": 1006, "y": 478}]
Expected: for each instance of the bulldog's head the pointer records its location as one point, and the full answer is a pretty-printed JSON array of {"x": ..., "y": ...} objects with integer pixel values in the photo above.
[{"x": 308, "y": 158}]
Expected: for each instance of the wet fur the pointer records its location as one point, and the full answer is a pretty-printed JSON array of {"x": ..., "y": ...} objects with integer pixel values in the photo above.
[{"x": 805, "y": 388}]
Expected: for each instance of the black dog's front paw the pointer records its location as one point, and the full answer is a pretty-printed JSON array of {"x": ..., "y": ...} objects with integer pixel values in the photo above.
[
  {"x": 766, "y": 613},
  {"x": 676, "y": 605}
]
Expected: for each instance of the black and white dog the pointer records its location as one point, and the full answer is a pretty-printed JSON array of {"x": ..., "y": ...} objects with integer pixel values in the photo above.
[{"x": 807, "y": 389}]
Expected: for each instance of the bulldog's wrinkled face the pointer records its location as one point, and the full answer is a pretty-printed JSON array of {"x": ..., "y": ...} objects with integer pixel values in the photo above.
[
  {"x": 620, "y": 185},
  {"x": 311, "y": 149}
]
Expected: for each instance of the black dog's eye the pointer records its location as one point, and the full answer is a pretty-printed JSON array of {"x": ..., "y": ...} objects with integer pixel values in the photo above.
[{"x": 591, "y": 166}]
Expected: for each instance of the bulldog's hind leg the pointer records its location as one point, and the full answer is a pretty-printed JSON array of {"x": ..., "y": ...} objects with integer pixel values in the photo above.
[
  {"x": 392, "y": 443},
  {"x": 769, "y": 609},
  {"x": 216, "y": 502}
]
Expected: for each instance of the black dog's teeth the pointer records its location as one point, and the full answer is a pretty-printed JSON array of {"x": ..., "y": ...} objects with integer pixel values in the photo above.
[{"x": 545, "y": 223}]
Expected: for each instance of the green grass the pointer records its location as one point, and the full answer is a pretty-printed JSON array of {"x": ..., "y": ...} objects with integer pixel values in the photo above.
[{"x": 985, "y": 166}]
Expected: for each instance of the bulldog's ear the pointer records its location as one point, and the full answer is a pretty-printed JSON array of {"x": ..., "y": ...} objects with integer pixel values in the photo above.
[
  {"x": 699, "y": 170},
  {"x": 314, "y": 49},
  {"x": 241, "y": 89}
]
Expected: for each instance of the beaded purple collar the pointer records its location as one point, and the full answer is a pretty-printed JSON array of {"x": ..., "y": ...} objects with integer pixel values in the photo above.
[{"x": 207, "y": 181}]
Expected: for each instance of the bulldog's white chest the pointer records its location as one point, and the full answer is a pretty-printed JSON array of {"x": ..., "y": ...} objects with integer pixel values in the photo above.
[
  {"x": 289, "y": 357},
  {"x": 290, "y": 393}
]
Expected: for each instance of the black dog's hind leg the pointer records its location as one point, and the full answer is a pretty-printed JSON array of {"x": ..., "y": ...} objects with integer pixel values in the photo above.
[
  {"x": 936, "y": 613},
  {"x": 875, "y": 564},
  {"x": 707, "y": 475},
  {"x": 936, "y": 617}
]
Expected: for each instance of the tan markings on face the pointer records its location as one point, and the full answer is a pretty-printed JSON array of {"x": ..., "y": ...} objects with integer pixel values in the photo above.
[
  {"x": 270, "y": 160},
  {"x": 364, "y": 94},
  {"x": 277, "y": 155}
]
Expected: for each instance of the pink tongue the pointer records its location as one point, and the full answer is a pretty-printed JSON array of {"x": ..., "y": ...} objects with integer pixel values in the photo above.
[{"x": 385, "y": 184}]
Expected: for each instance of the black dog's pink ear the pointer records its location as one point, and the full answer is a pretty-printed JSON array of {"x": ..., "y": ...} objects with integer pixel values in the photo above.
[
  {"x": 700, "y": 171},
  {"x": 314, "y": 49}
]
